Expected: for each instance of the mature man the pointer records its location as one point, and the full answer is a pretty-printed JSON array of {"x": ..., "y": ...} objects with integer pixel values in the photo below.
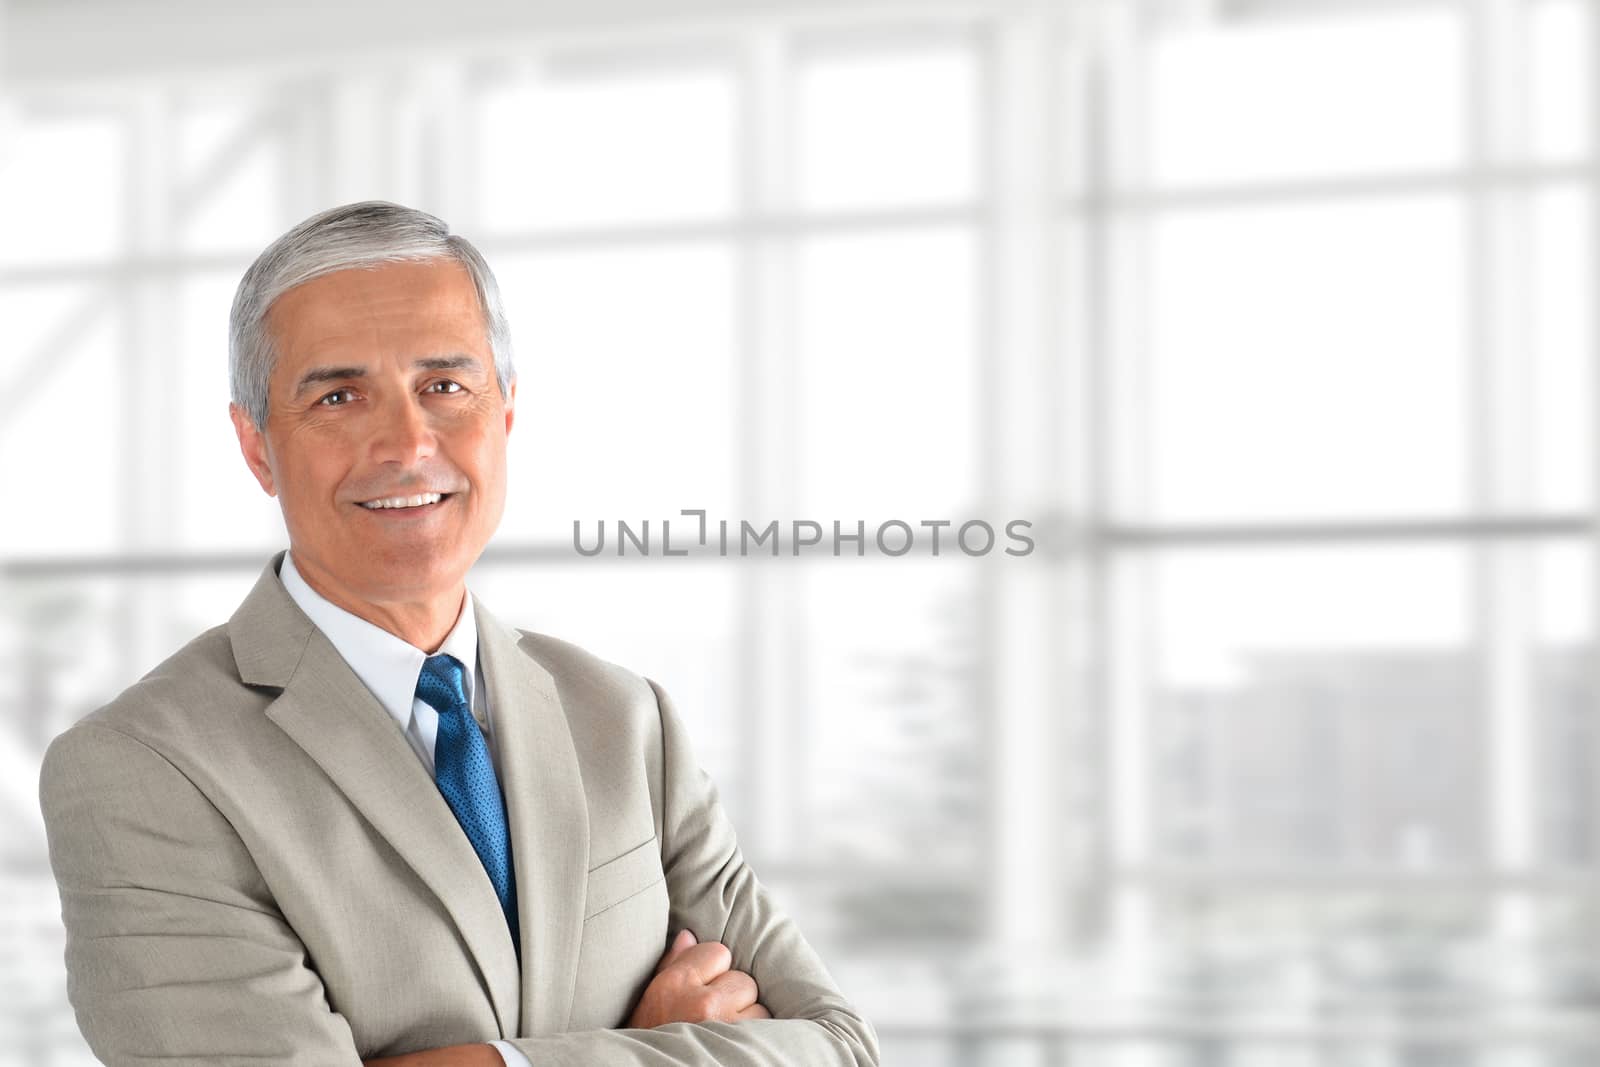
[{"x": 365, "y": 818}]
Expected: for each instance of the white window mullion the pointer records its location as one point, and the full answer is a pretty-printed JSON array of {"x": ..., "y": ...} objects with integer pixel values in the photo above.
[
  {"x": 1076, "y": 332},
  {"x": 147, "y": 436},
  {"x": 771, "y": 687},
  {"x": 1592, "y": 22},
  {"x": 1499, "y": 345},
  {"x": 1026, "y": 778},
  {"x": 1127, "y": 598},
  {"x": 358, "y": 148}
]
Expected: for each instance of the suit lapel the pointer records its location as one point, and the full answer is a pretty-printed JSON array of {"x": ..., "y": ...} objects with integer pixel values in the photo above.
[
  {"x": 549, "y": 819},
  {"x": 327, "y": 711}
]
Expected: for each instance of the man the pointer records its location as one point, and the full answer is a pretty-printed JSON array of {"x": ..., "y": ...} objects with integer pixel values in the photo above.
[{"x": 365, "y": 818}]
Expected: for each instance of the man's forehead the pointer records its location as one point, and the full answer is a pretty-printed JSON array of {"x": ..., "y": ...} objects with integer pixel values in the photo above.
[
  {"x": 405, "y": 310},
  {"x": 439, "y": 283}
]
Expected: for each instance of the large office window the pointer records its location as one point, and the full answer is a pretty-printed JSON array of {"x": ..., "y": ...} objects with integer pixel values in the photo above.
[
  {"x": 1276, "y": 318},
  {"x": 1349, "y": 489}
]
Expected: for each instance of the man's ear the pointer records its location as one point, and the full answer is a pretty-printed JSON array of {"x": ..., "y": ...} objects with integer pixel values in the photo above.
[
  {"x": 253, "y": 445},
  {"x": 511, "y": 405}
]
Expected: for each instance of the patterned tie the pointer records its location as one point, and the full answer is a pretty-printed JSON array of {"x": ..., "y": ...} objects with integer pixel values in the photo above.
[{"x": 466, "y": 778}]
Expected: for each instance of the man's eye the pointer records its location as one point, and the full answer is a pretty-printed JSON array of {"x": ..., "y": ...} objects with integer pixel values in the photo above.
[
  {"x": 336, "y": 398},
  {"x": 445, "y": 386}
]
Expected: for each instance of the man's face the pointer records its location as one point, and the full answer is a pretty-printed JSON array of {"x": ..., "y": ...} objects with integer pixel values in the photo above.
[{"x": 383, "y": 391}]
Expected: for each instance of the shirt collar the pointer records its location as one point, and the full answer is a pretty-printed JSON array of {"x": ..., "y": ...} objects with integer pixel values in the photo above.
[{"x": 386, "y": 665}]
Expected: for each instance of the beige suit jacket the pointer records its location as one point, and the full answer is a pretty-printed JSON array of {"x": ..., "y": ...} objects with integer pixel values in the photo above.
[{"x": 255, "y": 868}]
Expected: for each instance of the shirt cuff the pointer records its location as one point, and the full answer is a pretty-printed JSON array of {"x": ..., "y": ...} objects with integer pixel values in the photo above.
[{"x": 512, "y": 1057}]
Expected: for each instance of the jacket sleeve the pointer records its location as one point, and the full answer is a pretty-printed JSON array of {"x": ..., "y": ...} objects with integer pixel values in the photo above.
[
  {"x": 175, "y": 952},
  {"x": 714, "y": 893}
]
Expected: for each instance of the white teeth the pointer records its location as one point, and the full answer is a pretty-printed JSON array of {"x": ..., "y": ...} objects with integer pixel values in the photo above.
[{"x": 404, "y": 501}]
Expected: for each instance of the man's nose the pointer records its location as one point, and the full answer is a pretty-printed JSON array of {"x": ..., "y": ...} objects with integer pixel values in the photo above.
[{"x": 403, "y": 434}]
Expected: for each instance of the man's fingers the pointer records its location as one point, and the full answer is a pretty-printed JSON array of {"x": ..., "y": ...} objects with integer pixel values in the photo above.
[
  {"x": 696, "y": 984},
  {"x": 705, "y": 961},
  {"x": 735, "y": 992},
  {"x": 680, "y": 944}
]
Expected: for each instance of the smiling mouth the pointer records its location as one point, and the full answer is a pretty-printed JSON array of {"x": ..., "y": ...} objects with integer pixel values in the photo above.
[{"x": 418, "y": 500}]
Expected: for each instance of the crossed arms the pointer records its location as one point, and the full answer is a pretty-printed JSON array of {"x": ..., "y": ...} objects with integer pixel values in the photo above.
[
  {"x": 695, "y": 983},
  {"x": 176, "y": 951}
]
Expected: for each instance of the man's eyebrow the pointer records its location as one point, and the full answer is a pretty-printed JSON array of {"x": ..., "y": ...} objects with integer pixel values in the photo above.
[
  {"x": 318, "y": 375},
  {"x": 454, "y": 361}
]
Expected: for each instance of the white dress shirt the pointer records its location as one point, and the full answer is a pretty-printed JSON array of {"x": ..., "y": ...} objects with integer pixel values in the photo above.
[{"x": 389, "y": 667}]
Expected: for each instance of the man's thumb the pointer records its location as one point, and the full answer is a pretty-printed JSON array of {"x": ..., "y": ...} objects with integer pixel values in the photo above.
[{"x": 680, "y": 944}]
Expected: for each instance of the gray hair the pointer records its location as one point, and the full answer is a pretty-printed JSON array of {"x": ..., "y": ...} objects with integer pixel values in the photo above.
[{"x": 366, "y": 235}]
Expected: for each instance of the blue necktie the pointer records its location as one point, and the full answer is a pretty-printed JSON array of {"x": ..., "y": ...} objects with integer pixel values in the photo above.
[{"x": 465, "y": 774}]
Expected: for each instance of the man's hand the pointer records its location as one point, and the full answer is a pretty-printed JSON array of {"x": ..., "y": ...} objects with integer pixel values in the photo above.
[{"x": 694, "y": 984}]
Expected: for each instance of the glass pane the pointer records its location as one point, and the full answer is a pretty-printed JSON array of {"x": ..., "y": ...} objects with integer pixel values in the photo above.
[
  {"x": 1275, "y": 100},
  {"x": 626, "y": 387},
  {"x": 1313, "y": 707},
  {"x": 219, "y": 504},
  {"x": 888, "y": 128},
  {"x": 61, "y": 419},
  {"x": 1261, "y": 960},
  {"x": 1560, "y": 64},
  {"x": 1360, "y": 962},
  {"x": 228, "y": 171},
  {"x": 570, "y": 148},
  {"x": 676, "y": 623},
  {"x": 888, "y": 377},
  {"x": 1564, "y": 673},
  {"x": 1561, "y": 279},
  {"x": 62, "y": 189},
  {"x": 1568, "y": 974},
  {"x": 1305, "y": 361},
  {"x": 890, "y": 709}
]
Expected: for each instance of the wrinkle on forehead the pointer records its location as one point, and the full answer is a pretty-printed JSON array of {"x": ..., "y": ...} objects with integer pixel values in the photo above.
[{"x": 407, "y": 310}]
